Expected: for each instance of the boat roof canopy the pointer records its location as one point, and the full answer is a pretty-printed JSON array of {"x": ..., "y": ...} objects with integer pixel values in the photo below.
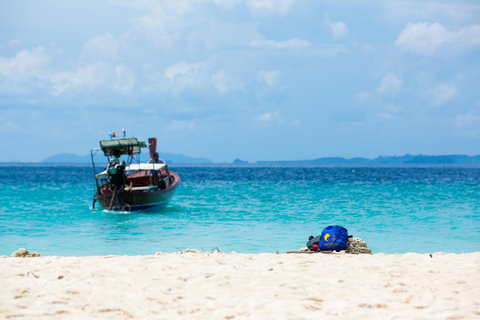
[{"x": 125, "y": 146}]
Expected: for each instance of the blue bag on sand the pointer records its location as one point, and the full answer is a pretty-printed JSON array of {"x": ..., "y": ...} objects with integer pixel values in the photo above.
[{"x": 333, "y": 238}]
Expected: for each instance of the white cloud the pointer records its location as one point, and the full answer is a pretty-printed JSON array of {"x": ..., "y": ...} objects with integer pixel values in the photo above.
[
  {"x": 295, "y": 123},
  {"x": 156, "y": 28},
  {"x": 376, "y": 106},
  {"x": 221, "y": 34},
  {"x": 15, "y": 43},
  {"x": 9, "y": 127},
  {"x": 274, "y": 118},
  {"x": 104, "y": 45},
  {"x": 391, "y": 108},
  {"x": 425, "y": 38},
  {"x": 364, "y": 98},
  {"x": 389, "y": 111},
  {"x": 89, "y": 76},
  {"x": 182, "y": 68},
  {"x": 163, "y": 25},
  {"x": 470, "y": 119},
  {"x": 399, "y": 10},
  {"x": 269, "y": 118},
  {"x": 441, "y": 94},
  {"x": 177, "y": 6},
  {"x": 278, "y": 6},
  {"x": 178, "y": 125},
  {"x": 339, "y": 29},
  {"x": 28, "y": 69},
  {"x": 293, "y": 43},
  {"x": 183, "y": 76},
  {"x": 269, "y": 77},
  {"x": 25, "y": 64},
  {"x": 167, "y": 23},
  {"x": 469, "y": 36},
  {"x": 227, "y": 3},
  {"x": 390, "y": 84},
  {"x": 224, "y": 83},
  {"x": 125, "y": 80}
]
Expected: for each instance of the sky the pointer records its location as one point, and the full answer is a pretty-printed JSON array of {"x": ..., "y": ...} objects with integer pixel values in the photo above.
[{"x": 248, "y": 79}]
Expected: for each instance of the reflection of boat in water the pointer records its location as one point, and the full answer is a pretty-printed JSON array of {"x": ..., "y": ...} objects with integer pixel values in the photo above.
[{"x": 132, "y": 186}]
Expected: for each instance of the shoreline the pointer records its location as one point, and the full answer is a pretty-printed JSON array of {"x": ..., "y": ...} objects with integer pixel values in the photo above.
[{"x": 226, "y": 286}]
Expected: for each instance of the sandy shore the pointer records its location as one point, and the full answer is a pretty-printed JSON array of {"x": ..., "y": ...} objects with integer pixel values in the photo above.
[{"x": 242, "y": 286}]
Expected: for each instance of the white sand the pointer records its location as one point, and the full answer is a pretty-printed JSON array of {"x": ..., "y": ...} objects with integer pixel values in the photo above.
[{"x": 242, "y": 286}]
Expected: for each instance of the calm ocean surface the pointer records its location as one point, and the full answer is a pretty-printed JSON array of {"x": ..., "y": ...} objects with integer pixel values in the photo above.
[{"x": 247, "y": 209}]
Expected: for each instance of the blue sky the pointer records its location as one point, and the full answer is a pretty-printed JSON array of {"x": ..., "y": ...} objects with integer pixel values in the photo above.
[{"x": 255, "y": 80}]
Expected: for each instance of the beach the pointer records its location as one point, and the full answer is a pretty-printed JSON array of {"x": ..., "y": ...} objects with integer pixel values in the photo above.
[{"x": 205, "y": 285}]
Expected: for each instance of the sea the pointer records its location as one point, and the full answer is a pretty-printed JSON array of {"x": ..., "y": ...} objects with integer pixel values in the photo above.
[{"x": 245, "y": 208}]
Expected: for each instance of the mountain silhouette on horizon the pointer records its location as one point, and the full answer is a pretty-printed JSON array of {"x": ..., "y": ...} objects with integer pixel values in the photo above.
[
  {"x": 406, "y": 159},
  {"x": 167, "y": 157},
  {"x": 183, "y": 159}
]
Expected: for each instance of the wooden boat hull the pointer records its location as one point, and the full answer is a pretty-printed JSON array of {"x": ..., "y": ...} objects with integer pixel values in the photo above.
[{"x": 144, "y": 200}]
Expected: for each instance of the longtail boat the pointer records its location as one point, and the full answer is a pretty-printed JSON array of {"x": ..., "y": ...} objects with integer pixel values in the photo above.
[{"x": 132, "y": 185}]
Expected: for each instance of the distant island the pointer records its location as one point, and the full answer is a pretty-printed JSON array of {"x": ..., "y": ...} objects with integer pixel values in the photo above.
[
  {"x": 406, "y": 159},
  {"x": 167, "y": 157},
  {"x": 182, "y": 159},
  {"x": 238, "y": 161}
]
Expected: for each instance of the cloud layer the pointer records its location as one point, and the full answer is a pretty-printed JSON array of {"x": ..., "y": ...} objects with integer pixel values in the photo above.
[
  {"x": 327, "y": 78},
  {"x": 427, "y": 38}
]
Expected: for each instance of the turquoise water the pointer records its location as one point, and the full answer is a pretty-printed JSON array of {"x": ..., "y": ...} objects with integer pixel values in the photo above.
[{"x": 247, "y": 209}]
